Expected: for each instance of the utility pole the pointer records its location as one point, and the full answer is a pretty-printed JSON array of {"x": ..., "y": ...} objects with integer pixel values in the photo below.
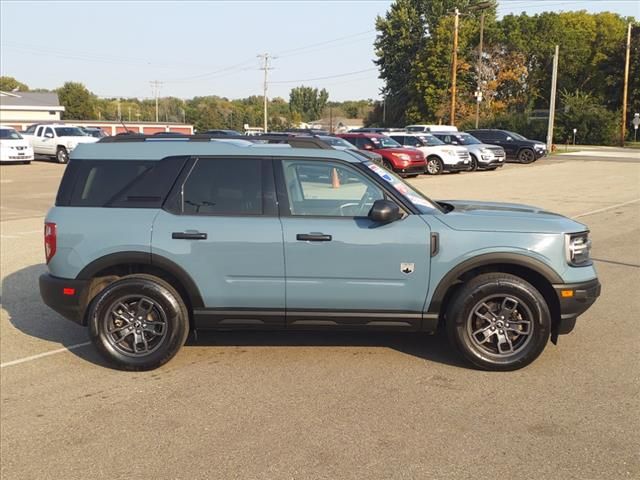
[
  {"x": 155, "y": 87},
  {"x": 384, "y": 111},
  {"x": 626, "y": 86},
  {"x": 454, "y": 67},
  {"x": 552, "y": 106},
  {"x": 266, "y": 67},
  {"x": 119, "y": 111},
  {"x": 129, "y": 113},
  {"x": 479, "y": 92}
]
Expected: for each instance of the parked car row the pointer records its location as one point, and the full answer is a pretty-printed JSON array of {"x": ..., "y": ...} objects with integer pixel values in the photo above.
[{"x": 479, "y": 142}]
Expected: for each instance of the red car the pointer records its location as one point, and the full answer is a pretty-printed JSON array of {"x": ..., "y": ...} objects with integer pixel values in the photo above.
[{"x": 407, "y": 162}]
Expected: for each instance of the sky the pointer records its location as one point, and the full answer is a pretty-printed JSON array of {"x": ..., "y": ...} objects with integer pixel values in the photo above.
[{"x": 198, "y": 48}]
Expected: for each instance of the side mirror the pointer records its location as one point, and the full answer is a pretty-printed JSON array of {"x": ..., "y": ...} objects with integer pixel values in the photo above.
[
  {"x": 509, "y": 139},
  {"x": 384, "y": 211},
  {"x": 48, "y": 135}
]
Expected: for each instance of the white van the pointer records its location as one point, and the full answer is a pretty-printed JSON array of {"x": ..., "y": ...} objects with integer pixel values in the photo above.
[{"x": 430, "y": 128}]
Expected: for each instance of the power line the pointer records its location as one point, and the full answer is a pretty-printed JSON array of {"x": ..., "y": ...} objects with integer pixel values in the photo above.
[
  {"x": 326, "y": 77},
  {"x": 290, "y": 52}
]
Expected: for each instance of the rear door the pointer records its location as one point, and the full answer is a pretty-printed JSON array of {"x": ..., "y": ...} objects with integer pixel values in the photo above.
[
  {"x": 221, "y": 226},
  {"x": 343, "y": 269}
]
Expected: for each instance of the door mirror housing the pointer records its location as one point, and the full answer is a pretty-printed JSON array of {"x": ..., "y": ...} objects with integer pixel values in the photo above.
[
  {"x": 384, "y": 211},
  {"x": 48, "y": 135},
  {"x": 509, "y": 139}
]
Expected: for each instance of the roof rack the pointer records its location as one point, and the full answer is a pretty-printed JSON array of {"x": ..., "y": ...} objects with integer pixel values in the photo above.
[{"x": 293, "y": 141}]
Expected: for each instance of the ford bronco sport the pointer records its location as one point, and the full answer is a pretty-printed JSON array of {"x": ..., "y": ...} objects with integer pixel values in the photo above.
[{"x": 151, "y": 238}]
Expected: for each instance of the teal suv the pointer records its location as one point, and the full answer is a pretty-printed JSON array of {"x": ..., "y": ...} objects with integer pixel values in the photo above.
[{"x": 152, "y": 238}]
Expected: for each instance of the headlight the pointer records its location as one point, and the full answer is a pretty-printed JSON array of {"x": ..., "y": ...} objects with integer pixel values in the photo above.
[
  {"x": 402, "y": 156},
  {"x": 486, "y": 151},
  {"x": 540, "y": 146},
  {"x": 577, "y": 249},
  {"x": 450, "y": 152}
]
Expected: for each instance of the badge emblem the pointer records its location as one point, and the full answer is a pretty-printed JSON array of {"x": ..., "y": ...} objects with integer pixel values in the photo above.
[{"x": 407, "y": 268}]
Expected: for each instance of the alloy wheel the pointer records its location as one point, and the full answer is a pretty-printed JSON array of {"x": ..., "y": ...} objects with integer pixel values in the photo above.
[{"x": 500, "y": 325}]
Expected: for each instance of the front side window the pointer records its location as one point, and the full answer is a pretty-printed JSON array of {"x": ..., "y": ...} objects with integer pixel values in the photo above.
[
  {"x": 229, "y": 187},
  {"x": 328, "y": 189},
  {"x": 69, "y": 132},
  {"x": 48, "y": 132}
]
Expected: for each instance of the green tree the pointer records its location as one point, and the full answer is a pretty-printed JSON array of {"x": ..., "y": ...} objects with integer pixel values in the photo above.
[
  {"x": 308, "y": 102},
  {"x": 79, "y": 103},
  {"x": 8, "y": 84}
]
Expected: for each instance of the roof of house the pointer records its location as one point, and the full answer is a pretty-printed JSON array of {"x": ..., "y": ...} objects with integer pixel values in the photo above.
[
  {"x": 29, "y": 99},
  {"x": 337, "y": 121}
]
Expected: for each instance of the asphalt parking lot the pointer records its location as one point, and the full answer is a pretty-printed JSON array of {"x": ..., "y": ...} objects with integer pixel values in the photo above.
[{"x": 304, "y": 405}]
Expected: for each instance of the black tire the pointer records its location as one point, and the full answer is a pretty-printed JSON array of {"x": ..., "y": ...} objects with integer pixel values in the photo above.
[
  {"x": 474, "y": 163},
  {"x": 526, "y": 155},
  {"x": 62, "y": 156},
  {"x": 479, "y": 333},
  {"x": 27, "y": 162},
  {"x": 162, "y": 306},
  {"x": 387, "y": 164},
  {"x": 434, "y": 165}
]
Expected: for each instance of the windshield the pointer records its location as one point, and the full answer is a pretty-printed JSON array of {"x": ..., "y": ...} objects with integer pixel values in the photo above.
[
  {"x": 69, "y": 132},
  {"x": 431, "y": 140},
  {"x": 384, "y": 142},
  {"x": 417, "y": 199},
  {"x": 517, "y": 136},
  {"x": 10, "y": 134},
  {"x": 336, "y": 142},
  {"x": 466, "y": 139}
]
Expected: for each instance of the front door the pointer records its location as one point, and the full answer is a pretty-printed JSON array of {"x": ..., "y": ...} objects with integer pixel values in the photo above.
[
  {"x": 48, "y": 142},
  {"x": 343, "y": 269},
  {"x": 221, "y": 226}
]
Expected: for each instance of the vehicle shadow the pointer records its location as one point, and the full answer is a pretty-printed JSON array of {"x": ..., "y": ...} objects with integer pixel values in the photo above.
[{"x": 28, "y": 314}]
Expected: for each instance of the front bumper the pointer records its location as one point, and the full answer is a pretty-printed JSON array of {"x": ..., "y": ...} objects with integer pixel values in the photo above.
[
  {"x": 574, "y": 300},
  {"x": 67, "y": 297},
  {"x": 460, "y": 166},
  {"x": 412, "y": 169}
]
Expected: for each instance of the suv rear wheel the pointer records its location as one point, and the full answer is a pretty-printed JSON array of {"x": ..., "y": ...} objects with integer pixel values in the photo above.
[
  {"x": 138, "y": 322},
  {"x": 499, "y": 322}
]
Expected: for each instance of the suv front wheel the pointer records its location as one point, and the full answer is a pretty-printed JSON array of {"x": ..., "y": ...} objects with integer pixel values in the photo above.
[
  {"x": 499, "y": 322},
  {"x": 138, "y": 322}
]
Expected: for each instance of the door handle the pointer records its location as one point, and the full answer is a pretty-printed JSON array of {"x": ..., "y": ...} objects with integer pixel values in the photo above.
[
  {"x": 313, "y": 237},
  {"x": 188, "y": 236}
]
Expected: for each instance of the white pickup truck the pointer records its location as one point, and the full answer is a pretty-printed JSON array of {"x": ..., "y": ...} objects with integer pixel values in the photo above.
[{"x": 55, "y": 140}]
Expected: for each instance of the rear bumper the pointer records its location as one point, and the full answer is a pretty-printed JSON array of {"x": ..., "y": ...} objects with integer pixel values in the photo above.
[
  {"x": 67, "y": 297},
  {"x": 575, "y": 299}
]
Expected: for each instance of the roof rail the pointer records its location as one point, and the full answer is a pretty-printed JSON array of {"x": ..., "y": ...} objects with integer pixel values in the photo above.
[{"x": 293, "y": 141}]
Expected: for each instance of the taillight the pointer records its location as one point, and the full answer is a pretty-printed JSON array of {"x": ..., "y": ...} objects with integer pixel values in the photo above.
[{"x": 50, "y": 240}]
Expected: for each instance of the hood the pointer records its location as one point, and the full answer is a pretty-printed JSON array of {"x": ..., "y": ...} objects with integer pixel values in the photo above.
[
  {"x": 412, "y": 152},
  {"x": 506, "y": 217},
  {"x": 18, "y": 142}
]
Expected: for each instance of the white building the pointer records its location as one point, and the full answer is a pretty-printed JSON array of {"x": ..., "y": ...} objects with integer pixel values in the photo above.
[{"x": 24, "y": 108}]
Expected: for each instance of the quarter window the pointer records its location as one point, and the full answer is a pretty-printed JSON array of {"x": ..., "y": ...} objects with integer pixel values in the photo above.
[
  {"x": 224, "y": 187},
  {"x": 328, "y": 189}
]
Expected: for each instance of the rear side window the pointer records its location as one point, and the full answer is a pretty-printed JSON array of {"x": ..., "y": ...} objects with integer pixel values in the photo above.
[
  {"x": 219, "y": 186},
  {"x": 118, "y": 183}
]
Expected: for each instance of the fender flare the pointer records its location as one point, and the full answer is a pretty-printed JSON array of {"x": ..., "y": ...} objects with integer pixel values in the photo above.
[
  {"x": 144, "y": 258},
  {"x": 511, "y": 259}
]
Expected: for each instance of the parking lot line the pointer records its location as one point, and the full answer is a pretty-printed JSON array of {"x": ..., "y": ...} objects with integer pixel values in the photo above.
[
  {"x": 607, "y": 208},
  {"x": 44, "y": 354}
]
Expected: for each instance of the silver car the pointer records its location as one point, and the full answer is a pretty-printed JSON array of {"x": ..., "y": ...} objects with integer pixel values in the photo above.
[{"x": 483, "y": 156}]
